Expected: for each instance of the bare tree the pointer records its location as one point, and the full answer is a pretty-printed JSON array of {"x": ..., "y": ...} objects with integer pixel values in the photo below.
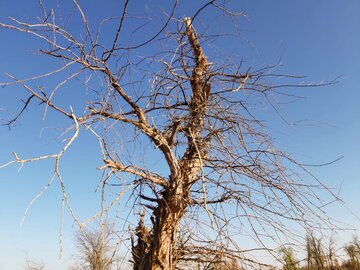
[
  {"x": 32, "y": 265},
  {"x": 353, "y": 252},
  {"x": 97, "y": 247},
  {"x": 319, "y": 254},
  {"x": 223, "y": 172}
]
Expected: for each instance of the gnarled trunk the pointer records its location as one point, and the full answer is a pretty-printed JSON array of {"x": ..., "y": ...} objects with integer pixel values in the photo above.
[
  {"x": 156, "y": 250},
  {"x": 164, "y": 250}
]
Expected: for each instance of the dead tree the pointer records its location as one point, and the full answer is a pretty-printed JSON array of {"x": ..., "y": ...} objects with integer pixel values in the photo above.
[
  {"x": 96, "y": 248},
  {"x": 223, "y": 171}
]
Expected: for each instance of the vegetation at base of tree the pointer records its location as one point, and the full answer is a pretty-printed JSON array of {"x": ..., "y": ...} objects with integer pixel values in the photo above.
[
  {"x": 322, "y": 256},
  {"x": 97, "y": 250},
  {"x": 318, "y": 256}
]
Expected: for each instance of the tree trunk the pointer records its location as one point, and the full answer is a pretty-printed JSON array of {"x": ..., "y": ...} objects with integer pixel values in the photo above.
[
  {"x": 164, "y": 250},
  {"x": 157, "y": 250}
]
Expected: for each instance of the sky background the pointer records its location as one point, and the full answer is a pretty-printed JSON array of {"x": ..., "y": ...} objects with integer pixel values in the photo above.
[{"x": 318, "y": 39}]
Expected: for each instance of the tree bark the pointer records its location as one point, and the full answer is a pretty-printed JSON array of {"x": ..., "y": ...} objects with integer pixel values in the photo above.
[
  {"x": 157, "y": 250},
  {"x": 164, "y": 249}
]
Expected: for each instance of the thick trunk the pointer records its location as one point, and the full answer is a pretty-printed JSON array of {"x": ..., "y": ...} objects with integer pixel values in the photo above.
[
  {"x": 156, "y": 250},
  {"x": 164, "y": 252}
]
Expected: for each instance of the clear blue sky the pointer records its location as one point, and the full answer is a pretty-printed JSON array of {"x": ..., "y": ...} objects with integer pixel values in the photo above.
[{"x": 319, "y": 39}]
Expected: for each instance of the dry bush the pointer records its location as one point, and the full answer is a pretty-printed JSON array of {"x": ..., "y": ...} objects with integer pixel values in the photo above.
[
  {"x": 97, "y": 248},
  {"x": 353, "y": 252},
  {"x": 33, "y": 265}
]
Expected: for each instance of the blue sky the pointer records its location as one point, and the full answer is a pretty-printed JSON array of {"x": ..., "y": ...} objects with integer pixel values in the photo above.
[{"x": 318, "y": 39}]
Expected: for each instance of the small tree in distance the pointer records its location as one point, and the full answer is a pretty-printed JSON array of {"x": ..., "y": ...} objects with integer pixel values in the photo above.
[
  {"x": 32, "y": 265},
  {"x": 353, "y": 252},
  {"x": 97, "y": 248},
  {"x": 223, "y": 172}
]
